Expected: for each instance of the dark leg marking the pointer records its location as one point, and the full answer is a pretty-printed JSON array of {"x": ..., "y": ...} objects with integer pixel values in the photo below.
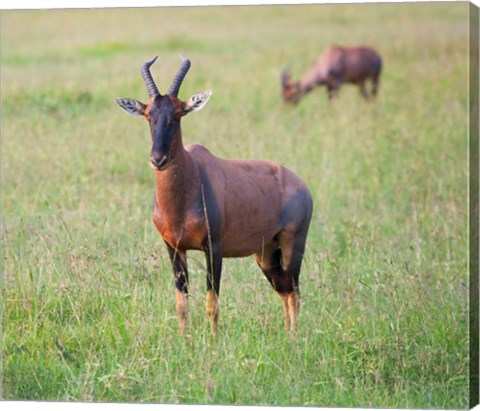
[
  {"x": 213, "y": 255},
  {"x": 179, "y": 263}
]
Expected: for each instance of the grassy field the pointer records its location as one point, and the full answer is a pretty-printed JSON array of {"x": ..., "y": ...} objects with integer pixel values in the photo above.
[{"x": 88, "y": 293}]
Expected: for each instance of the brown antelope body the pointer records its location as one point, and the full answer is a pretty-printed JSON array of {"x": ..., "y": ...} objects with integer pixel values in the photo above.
[
  {"x": 336, "y": 65},
  {"x": 225, "y": 208}
]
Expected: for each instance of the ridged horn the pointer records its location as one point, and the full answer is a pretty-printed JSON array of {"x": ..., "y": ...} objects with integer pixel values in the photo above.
[
  {"x": 178, "y": 79},
  {"x": 147, "y": 76}
]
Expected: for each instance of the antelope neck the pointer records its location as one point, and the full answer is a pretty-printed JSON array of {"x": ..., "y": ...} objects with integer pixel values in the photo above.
[
  {"x": 310, "y": 80},
  {"x": 174, "y": 183}
]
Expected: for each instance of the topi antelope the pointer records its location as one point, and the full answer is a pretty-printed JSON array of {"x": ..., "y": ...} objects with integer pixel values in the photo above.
[
  {"x": 225, "y": 208},
  {"x": 336, "y": 65}
]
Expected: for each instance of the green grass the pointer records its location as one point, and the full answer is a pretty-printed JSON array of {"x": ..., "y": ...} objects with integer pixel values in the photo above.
[{"x": 88, "y": 294}]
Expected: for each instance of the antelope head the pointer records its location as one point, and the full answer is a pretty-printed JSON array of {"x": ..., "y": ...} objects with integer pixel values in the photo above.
[
  {"x": 290, "y": 90},
  {"x": 163, "y": 112}
]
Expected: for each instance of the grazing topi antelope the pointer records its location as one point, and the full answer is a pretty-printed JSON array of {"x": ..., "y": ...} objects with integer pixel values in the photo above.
[
  {"x": 225, "y": 208},
  {"x": 336, "y": 65}
]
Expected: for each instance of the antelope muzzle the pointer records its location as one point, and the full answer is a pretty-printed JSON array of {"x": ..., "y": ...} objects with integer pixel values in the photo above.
[{"x": 159, "y": 161}]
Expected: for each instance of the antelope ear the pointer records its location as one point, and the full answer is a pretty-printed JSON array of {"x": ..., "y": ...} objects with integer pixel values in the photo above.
[
  {"x": 197, "y": 101},
  {"x": 131, "y": 106}
]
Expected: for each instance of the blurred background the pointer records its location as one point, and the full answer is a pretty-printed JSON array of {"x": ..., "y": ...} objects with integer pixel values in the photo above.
[{"x": 88, "y": 296}]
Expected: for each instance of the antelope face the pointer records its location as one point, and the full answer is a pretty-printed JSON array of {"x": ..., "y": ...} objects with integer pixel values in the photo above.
[
  {"x": 291, "y": 94},
  {"x": 164, "y": 113},
  {"x": 290, "y": 90}
]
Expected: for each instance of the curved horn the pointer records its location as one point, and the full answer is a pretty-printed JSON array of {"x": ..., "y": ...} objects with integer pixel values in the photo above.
[
  {"x": 145, "y": 70},
  {"x": 177, "y": 80}
]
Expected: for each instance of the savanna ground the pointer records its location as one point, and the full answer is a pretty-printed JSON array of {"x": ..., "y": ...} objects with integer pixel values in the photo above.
[{"x": 88, "y": 293}]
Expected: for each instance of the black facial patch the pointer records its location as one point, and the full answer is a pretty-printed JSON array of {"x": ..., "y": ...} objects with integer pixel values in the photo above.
[{"x": 164, "y": 124}]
